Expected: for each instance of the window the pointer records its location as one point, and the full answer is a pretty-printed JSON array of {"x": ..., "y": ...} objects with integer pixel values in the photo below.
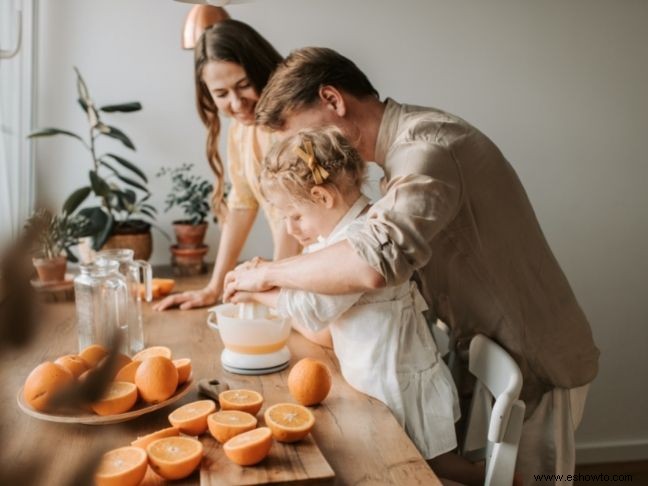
[{"x": 16, "y": 101}]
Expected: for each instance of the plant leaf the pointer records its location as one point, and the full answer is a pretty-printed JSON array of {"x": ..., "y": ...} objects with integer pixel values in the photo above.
[
  {"x": 119, "y": 135},
  {"x": 48, "y": 132},
  {"x": 97, "y": 219},
  {"x": 82, "y": 89},
  {"x": 122, "y": 107},
  {"x": 104, "y": 234},
  {"x": 129, "y": 165},
  {"x": 75, "y": 199},
  {"x": 99, "y": 185},
  {"x": 131, "y": 182},
  {"x": 148, "y": 213}
]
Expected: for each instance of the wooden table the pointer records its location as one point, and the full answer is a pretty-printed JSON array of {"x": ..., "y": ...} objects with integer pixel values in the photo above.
[{"x": 358, "y": 435}]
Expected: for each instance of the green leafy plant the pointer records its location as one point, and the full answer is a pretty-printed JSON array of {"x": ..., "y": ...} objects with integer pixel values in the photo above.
[
  {"x": 53, "y": 234},
  {"x": 189, "y": 192},
  {"x": 117, "y": 182}
]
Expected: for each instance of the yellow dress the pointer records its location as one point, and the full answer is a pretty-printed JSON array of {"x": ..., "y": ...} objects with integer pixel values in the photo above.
[{"x": 246, "y": 148}]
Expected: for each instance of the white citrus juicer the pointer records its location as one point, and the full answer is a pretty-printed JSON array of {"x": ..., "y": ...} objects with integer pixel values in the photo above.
[{"x": 254, "y": 338}]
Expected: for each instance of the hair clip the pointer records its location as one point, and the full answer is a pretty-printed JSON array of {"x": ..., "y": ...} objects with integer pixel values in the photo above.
[{"x": 320, "y": 174}]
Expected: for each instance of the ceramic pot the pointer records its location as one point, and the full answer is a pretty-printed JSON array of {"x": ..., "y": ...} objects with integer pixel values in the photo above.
[
  {"x": 51, "y": 269},
  {"x": 189, "y": 261},
  {"x": 189, "y": 235}
]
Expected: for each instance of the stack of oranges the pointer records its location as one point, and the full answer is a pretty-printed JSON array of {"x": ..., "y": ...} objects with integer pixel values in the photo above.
[{"x": 150, "y": 375}]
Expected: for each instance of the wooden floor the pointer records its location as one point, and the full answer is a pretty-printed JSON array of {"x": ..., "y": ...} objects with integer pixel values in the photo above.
[{"x": 638, "y": 470}]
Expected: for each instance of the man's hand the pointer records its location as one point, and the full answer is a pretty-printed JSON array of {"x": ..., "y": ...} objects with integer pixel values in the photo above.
[
  {"x": 189, "y": 299},
  {"x": 248, "y": 276}
]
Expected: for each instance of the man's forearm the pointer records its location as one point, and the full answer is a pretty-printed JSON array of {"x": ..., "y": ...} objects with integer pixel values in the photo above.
[{"x": 336, "y": 269}]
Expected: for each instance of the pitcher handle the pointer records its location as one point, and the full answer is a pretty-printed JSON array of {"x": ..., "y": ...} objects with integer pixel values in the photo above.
[
  {"x": 211, "y": 318},
  {"x": 144, "y": 268}
]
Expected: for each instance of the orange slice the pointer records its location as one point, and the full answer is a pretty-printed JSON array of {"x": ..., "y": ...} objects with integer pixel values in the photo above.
[
  {"x": 184, "y": 369},
  {"x": 244, "y": 400},
  {"x": 249, "y": 448},
  {"x": 119, "y": 397},
  {"x": 93, "y": 354},
  {"x": 152, "y": 351},
  {"x": 191, "y": 418},
  {"x": 127, "y": 373},
  {"x": 289, "y": 422},
  {"x": 175, "y": 457},
  {"x": 226, "y": 424},
  {"x": 125, "y": 466},
  {"x": 74, "y": 364},
  {"x": 144, "y": 441}
]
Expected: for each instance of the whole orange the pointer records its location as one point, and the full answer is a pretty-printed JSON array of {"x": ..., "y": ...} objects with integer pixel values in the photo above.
[
  {"x": 43, "y": 382},
  {"x": 74, "y": 364},
  {"x": 156, "y": 379},
  {"x": 309, "y": 381}
]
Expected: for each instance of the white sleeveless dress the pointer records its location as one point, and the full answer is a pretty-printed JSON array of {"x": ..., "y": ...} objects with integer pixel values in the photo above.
[{"x": 385, "y": 349}]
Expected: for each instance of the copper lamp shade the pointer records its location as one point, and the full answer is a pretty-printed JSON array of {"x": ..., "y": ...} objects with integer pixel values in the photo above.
[{"x": 200, "y": 17}]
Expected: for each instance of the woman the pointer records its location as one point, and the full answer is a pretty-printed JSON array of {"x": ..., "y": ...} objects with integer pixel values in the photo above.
[{"x": 232, "y": 65}]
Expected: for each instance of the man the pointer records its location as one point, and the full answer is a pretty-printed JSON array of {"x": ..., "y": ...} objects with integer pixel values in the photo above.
[{"x": 454, "y": 211}]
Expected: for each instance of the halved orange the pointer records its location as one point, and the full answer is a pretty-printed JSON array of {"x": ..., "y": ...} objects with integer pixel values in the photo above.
[
  {"x": 191, "y": 418},
  {"x": 152, "y": 351},
  {"x": 125, "y": 466},
  {"x": 127, "y": 373},
  {"x": 250, "y": 447},
  {"x": 183, "y": 366},
  {"x": 226, "y": 424},
  {"x": 93, "y": 354},
  {"x": 175, "y": 457},
  {"x": 244, "y": 400},
  {"x": 119, "y": 397},
  {"x": 289, "y": 422},
  {"x": 145, "y": 440}
]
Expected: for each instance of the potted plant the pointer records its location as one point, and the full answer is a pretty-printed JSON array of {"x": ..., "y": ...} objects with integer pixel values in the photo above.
[
  {"x": 52, "y": 237},
  {"x": 123, "y": 217},
  {"x": 191, "y": 193}
]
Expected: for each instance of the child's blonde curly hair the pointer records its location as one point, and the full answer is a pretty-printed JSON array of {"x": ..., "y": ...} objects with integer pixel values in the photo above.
[{"x": 312, "y": 157}]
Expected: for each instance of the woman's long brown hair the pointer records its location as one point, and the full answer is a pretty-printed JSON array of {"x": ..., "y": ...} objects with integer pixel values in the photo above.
[{"x": 233, "y": 41}]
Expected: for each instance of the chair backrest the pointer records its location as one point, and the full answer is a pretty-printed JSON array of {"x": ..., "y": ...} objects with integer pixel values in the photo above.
[{"x": 494, "y": 428}]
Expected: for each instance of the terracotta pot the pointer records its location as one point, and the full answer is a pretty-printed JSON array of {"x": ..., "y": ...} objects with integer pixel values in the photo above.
[
  {"x": 136, "y": 238},
  {"x": 189, "y": 261},
  {"x": 51, "y": 269},
  {"x": 189, "y": 235}
]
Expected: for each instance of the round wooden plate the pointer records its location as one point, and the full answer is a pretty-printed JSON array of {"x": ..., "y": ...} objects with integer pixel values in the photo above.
[{"x": 90, "y": 418}]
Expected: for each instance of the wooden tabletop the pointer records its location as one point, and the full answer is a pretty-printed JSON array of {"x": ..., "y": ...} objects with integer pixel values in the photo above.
[{"x": 358, "y": 435}]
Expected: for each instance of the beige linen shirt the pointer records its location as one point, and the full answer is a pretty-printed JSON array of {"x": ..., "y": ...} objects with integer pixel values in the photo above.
[
  {"x": 246, "y": 149},
  {"x": 455, "y": 211}
]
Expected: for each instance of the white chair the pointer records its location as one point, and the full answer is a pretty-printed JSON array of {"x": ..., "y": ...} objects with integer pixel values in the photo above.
[{"x": 493, "y": 429}]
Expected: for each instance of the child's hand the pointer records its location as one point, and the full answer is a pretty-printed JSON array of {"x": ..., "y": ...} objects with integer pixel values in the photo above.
[
  {"x": 268, "y": 298},
  {"x": 243, "y": 297}
]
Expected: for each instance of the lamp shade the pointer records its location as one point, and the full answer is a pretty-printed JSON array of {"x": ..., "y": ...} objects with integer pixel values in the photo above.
[{"x": 200, "y": 17}]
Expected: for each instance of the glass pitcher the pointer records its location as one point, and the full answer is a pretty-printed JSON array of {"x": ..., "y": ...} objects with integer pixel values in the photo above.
[
  {"x": 100, "y": 294},
  {"x": 139, "y": 275}
]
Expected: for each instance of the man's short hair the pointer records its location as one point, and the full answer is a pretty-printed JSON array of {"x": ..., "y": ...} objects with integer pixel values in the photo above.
[{"x": 297, "y": 80}]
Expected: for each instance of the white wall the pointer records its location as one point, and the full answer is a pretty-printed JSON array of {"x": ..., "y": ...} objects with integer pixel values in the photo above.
[{"x": 559, "y": 86}]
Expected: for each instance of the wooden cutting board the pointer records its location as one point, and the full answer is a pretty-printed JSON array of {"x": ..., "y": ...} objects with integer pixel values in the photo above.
[{"x": 301, "y": 462}]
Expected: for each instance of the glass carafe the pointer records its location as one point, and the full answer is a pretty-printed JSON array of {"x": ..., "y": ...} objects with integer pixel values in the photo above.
[
  {"x": 138, "y": 274},
  {"x": 100, "y": 294}
]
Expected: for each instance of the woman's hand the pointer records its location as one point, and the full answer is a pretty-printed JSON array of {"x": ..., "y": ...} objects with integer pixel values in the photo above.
[
  {"x": 189, "y": 299},
  {"x": 248, "y": 276}
]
